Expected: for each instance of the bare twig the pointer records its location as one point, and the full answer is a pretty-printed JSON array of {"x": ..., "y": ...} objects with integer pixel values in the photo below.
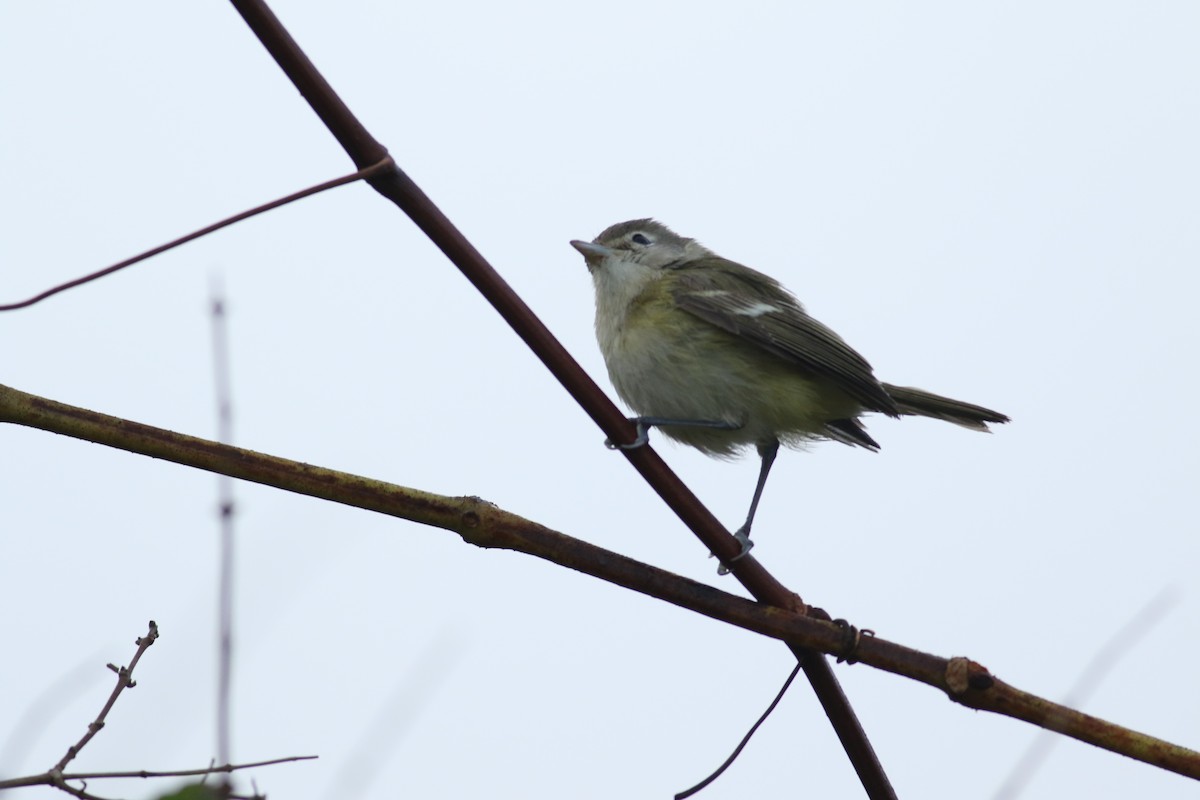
[
  {"x": 124, "y": 681},
  {"x": 366, "y": 172},
  {"x": 185, "y": 773},
  {"x": 686, "y": 793},
  {"x": 48, "y": 778},
  {"x": 58, "y": 779},
  {"x": 483, "y": 524}
]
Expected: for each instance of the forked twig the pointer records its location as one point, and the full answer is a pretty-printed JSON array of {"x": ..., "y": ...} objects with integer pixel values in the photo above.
[{"x": 58, "y": 779}]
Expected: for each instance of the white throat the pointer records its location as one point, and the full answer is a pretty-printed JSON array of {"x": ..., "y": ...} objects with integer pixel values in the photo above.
[{"x": 617, "y": 283}]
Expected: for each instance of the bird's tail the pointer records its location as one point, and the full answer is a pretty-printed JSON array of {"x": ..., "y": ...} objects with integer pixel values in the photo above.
[{"x": 919, "y": 403}]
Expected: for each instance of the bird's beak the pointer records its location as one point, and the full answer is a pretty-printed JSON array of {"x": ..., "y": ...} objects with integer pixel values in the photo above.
[{"x": 592, "y": 253}]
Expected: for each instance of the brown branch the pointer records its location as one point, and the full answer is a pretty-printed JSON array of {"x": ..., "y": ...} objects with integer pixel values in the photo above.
[
  {"x": 366, "y": 172},
  {"x": 393, "y": 184},
  {"x": 485, "y": 525}
]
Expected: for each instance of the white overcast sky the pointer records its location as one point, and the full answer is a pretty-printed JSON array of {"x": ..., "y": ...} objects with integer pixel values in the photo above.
[{"x": 998, "y": 202}]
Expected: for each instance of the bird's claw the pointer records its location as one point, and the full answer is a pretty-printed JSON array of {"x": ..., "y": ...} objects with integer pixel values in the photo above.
[
  {"x": 743, "y": 538},
  {"x": 642, "y": 439}
]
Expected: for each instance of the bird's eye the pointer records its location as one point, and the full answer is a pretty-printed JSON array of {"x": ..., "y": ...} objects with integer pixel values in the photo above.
[{"x": 640, "y": 238}]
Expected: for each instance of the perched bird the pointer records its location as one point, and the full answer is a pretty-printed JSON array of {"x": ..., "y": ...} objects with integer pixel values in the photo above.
[{"x": 720, "y": 356}]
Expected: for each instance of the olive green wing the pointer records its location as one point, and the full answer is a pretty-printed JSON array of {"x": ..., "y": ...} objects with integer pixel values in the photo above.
[{"x": 755, "y": 307}]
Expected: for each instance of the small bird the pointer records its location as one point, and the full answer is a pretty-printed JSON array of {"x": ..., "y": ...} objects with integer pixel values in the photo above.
[{"x": 720, "y": 356}]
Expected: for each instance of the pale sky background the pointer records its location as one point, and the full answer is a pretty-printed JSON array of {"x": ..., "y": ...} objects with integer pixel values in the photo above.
[{"x": 997, "y": 202}]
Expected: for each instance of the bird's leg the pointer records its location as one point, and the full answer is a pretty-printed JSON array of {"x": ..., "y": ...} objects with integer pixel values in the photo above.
[
  {"x": 768, "y": 452},
  {"x": 644, "y": 424}
]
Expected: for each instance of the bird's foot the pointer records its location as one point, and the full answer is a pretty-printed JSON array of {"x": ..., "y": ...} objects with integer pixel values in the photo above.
[
  {"x": 644, "y": 424},
  {"x": 743, "y": 537}
]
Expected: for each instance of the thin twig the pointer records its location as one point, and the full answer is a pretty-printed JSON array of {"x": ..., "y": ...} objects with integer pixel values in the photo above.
[
  {"x": 58, "y": 779},
  {"x": 124, "y": 681},
  {"x": 185, "y": 773},
  {"x": 365, "y": 173},
  {"x": 686, "y": 793},
  {"x": 48, "y": 778}
]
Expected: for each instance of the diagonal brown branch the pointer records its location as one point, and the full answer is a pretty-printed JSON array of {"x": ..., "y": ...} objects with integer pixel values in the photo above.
[
  {"x": 485, "y": 525},
  {"x": 363, "y": 149}
]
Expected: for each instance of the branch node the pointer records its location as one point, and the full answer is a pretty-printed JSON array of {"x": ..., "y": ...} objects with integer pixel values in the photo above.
[
  {"x": 963, "y": 674},
  {"x": 150, "y": 637},
  {"x": 956, "y": 675}
]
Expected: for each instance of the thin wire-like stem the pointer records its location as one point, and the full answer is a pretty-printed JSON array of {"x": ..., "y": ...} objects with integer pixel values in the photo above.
[
  {"x": 365, "y": 173},
  {"x": 47, "y": 778},
  {"x": 686, "y": 793}
]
